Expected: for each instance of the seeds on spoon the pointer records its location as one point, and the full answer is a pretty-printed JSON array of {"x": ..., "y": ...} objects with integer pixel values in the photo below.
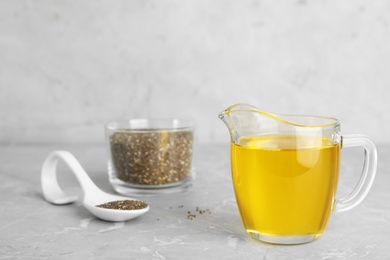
[{"x": 124, "y": 205}]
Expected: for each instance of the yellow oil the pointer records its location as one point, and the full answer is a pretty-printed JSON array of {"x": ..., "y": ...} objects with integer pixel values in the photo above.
[{"x": 285, "y": 185}]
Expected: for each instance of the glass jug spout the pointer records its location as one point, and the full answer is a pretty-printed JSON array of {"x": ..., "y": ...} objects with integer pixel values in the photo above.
[{"x": 241, "y": 120}]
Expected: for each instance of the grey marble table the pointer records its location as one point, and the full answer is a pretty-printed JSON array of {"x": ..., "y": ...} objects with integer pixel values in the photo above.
[{"x": 31, "y": 228}]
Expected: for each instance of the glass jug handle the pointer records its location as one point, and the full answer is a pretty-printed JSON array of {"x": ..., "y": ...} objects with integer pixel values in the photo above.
[{"x": 367, "y": 176}]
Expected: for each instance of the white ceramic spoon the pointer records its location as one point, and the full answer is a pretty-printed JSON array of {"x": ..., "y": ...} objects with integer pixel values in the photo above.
[{"x": 92, "y": 194}]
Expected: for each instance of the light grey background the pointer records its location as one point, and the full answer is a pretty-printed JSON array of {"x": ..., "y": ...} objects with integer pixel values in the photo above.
[{"x": 68, "y": 66}]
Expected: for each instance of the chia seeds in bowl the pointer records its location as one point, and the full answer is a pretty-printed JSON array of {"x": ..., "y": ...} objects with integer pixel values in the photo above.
[{"x": 150, "y": 156}]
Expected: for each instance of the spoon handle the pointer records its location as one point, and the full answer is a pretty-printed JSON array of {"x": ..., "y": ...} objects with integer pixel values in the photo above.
[{"x": 51, "y": 190}]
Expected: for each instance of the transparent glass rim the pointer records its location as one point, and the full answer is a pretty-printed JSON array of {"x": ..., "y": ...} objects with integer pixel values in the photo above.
[
  {"x": 304, "y": 121},
  {"x": 150, "y": 124}
]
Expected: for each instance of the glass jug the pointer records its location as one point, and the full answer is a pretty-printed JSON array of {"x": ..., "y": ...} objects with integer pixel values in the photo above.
[{"x": 285, "y": 172}]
